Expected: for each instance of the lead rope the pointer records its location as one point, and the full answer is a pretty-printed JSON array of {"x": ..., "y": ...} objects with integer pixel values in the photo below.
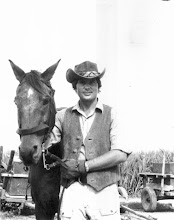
[
  {"x": 60, "y": 202},
  {"x": 47, "y": 167},
  {"x": 26, "y": 194},
  {"x": 44, "y": 152}
]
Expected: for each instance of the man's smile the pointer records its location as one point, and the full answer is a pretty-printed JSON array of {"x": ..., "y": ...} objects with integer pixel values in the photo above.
[{"x": 87, "y": 93}]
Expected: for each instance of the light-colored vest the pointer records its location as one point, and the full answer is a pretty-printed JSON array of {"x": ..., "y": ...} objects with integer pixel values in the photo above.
[{"x": 97, "y": 142}]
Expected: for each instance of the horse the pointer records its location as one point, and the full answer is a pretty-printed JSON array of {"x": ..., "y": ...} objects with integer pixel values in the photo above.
[{"x": 36, "y": 118}]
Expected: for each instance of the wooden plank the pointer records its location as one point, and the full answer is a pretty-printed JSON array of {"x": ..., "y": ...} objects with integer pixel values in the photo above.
[
  {"x": 17, "y": 175},
  {"x": 19, "y": 198},
  {"x": 167, "y": 188},
  {"x": 156, "y": 175},
  {"x": 18, "y": 186},
  {"x": 158, "y": 168}
]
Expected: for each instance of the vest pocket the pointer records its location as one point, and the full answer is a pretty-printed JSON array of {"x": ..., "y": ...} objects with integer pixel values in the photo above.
[
  {"x": 67, "y": 213},
  {"x": 108, "y": 211}
]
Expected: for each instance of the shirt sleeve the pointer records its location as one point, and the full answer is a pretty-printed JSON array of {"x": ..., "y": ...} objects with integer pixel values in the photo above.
[
  {"x": 116, "y": 134},
  {"x": 56, "y": 133}
]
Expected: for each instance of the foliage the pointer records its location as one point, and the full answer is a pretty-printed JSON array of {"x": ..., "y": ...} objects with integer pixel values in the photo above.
[{"x": 140, "y": 162}]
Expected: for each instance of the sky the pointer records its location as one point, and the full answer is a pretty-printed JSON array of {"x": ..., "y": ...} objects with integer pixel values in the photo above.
[{"x": 133, "y": 40}]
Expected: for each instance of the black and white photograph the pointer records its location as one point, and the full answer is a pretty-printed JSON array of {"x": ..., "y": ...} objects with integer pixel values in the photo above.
[{"x": 87, "y": 110}]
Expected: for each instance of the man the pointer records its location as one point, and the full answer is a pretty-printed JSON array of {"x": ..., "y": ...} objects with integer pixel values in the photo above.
[{"x": 88, "y": 132}]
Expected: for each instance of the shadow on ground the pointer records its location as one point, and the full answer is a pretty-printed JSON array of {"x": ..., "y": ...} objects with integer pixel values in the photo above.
[{"x": 162, "y": 206}]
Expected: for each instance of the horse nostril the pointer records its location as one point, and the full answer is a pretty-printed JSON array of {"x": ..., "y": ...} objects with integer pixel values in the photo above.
[{"x": 35, "y": 147}]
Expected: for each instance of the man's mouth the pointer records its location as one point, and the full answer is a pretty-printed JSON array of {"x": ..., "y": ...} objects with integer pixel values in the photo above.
[{"x": 87, "y": 93}]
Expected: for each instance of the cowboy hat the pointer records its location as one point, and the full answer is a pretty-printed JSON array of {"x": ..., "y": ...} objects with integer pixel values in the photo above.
[{"x": 85, "y": 70}]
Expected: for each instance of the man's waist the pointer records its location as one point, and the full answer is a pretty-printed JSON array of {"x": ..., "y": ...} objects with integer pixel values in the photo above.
[{"x": 82, "y": 179}]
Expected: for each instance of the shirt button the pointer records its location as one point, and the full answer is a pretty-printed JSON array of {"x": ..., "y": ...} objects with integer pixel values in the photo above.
[{"x": 78, "y": 137}]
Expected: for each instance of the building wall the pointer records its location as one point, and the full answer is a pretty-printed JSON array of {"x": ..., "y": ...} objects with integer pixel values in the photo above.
[{"x": 135, "y": 43}]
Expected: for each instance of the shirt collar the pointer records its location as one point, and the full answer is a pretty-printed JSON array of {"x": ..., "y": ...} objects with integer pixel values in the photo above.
[{"x": 98, "y": 106}]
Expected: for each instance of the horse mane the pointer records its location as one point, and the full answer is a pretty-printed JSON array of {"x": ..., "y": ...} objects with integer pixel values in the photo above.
[{"x": 35, "y": 80}]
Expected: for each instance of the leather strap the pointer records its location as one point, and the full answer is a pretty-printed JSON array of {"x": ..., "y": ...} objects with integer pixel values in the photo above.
[{"x": 41, "y": 127}]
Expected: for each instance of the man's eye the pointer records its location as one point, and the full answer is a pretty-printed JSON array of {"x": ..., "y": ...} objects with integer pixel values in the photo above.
[{"x": 82, "y": 82}]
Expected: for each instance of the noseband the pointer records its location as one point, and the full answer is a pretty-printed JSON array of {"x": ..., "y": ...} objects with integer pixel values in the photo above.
[{"x": 41, "y": 127}]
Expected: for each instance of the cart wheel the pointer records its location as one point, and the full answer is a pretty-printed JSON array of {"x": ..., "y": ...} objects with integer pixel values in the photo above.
[{"x": 148, "y": 199}]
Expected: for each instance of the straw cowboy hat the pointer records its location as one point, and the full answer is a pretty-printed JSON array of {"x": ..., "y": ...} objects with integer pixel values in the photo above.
[{"x": 85, "y": 70}]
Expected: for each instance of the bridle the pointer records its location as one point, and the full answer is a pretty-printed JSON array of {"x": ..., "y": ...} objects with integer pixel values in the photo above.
[{"x": 46, "y": 128}]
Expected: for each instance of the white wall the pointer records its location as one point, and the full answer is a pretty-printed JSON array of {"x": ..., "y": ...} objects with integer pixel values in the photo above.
[{"x": 142, "y": 71}]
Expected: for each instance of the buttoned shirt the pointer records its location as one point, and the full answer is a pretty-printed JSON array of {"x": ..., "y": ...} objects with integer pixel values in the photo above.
[{"x": 85, "y": 124}]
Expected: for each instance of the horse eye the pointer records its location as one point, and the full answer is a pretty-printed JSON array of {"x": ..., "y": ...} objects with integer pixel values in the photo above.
[{"x": 45, "y": 101}]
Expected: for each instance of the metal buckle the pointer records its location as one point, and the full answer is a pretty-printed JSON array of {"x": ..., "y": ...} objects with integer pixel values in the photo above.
[{"x": 47, "y": 167}]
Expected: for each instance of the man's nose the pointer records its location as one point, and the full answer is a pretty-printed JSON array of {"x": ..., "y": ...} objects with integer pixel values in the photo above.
[{"x": 87, "y": 86}]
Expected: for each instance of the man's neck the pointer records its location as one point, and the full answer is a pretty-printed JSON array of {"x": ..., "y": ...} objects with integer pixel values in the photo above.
[{"x": 88, "y": 106}]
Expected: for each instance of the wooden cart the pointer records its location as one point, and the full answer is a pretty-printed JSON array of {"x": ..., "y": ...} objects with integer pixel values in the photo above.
[
  {"x": 15, "y": 187},
  {"x": 158, "y": 185}
]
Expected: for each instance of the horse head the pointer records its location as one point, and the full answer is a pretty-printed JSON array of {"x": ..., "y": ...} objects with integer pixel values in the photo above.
[{"x": 36, "y": 111}]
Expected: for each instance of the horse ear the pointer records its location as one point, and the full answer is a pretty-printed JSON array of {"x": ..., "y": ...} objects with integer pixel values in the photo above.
[
  {"x": 19, "y": 73},
  {"x": 48, "y": 74}
]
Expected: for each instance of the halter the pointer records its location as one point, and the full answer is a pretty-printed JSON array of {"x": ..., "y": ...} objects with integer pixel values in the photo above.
[{"x": 46, "y": 128}]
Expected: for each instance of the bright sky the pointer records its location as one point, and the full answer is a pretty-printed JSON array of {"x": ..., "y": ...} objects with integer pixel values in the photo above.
[{"x": 132, "y": 39}]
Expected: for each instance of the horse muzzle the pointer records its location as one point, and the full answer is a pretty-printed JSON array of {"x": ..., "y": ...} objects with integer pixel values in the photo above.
[{"x": 30, "y": 151}]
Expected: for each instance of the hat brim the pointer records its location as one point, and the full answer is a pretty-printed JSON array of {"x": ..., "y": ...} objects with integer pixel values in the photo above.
[{"x": 72, "y": 76}]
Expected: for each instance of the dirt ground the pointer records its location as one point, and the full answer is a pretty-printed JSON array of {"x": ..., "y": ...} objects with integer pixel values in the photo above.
[
  {"x": 7, "y": 216},
  {"x": 165, "y": 210}
]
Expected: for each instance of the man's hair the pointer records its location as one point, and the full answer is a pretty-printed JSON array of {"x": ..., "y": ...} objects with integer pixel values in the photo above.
[{"x": 74, "y": 83}]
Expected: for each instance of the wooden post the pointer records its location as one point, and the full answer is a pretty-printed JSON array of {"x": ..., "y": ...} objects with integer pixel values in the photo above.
[
  {"x": 1, "y": 153},
  {"x": 163, "y": 172},
  {"x": 9, "y": 167}
]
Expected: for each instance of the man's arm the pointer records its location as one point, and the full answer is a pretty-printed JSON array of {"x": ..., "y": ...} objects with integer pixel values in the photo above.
[{"x": 107, "y": 160}]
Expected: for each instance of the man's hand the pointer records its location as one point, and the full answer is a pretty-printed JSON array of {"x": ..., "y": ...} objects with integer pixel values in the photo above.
[{"x": 74, "y": 169}]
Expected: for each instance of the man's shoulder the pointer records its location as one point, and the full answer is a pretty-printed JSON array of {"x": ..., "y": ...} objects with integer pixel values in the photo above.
[
  {"x": 60, "y": 112},
  {"x": 112, "y": 110},
  {"x": 107, "y": 108},
  {"x": 60, "y": 108}
]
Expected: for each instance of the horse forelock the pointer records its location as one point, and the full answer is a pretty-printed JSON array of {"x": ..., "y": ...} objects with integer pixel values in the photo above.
[{"x": 35, "y": 80}]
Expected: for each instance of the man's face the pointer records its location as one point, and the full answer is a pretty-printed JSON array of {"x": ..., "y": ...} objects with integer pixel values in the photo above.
[{"x": 87, "y": 89}]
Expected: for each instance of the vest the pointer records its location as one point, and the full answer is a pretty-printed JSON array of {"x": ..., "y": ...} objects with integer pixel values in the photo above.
[{"x": 97, "y": 142}]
